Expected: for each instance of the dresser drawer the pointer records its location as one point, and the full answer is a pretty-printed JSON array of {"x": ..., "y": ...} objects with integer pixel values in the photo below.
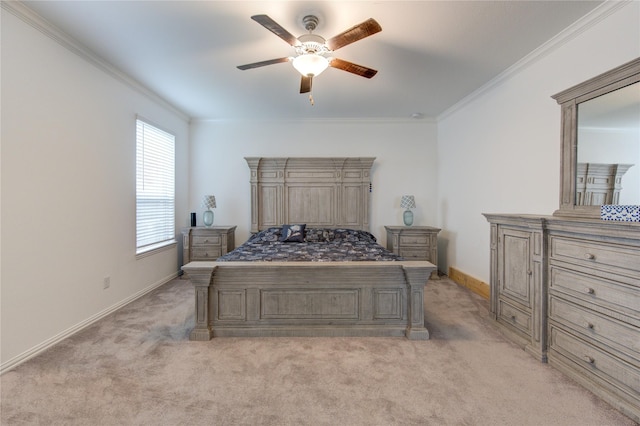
[
  {"x": 594, "y": 254},
  {"x": 607, "y": 367},
  {"x": 205, "y": 253},
  {"x": 201, "y": 240},
  {"x": 597, "y": 291},
  {"x": 619, "y": 335},
  {"x": 414, "y": 239},
  {"x": 515, "y": 317},
  {"x": 414, "y": 253}
]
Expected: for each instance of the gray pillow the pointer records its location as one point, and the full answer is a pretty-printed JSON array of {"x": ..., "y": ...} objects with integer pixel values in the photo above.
[{"x": 293, "y": 233}]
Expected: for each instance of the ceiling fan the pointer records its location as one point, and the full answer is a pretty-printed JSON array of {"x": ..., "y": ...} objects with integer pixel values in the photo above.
[{"x": 313, "y": 52}]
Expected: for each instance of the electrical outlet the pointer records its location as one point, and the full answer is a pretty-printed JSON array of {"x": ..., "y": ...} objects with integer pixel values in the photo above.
[{"x": 106, "y": 283}]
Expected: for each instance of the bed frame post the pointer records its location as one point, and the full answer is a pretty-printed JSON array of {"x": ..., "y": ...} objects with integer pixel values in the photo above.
[
  {"x": 417, "y": 277},
  {"x": 201, "y": 274}
]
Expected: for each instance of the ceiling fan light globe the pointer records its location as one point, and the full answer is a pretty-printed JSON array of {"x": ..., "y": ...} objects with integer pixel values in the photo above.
[{"x": 310, "y": 64}]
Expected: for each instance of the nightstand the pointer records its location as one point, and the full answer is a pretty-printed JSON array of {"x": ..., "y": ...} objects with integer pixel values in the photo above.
[
  {"x": 414, "y": 243},
  {"x": 207, "y": 243}
]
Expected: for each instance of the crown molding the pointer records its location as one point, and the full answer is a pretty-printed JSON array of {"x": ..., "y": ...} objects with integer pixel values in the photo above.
[
  {"x": 326, "y": 120},
  {"x": 23, "y": 12},
  {"x": 581, "y": 25}
]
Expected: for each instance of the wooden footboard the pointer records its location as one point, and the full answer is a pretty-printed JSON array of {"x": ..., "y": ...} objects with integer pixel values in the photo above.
[{"x": 309, "y": 298}]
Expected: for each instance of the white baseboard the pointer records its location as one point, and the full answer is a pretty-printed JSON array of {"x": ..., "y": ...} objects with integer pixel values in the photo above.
[{"x": 19, "y": 359}]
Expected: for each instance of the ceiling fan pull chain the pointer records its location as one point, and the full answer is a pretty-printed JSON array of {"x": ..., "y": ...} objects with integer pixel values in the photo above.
[{"x": 311, "y": 99}]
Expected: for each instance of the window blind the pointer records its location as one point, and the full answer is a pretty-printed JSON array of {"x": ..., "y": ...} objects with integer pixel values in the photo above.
[{"x": 155, "y": 187}]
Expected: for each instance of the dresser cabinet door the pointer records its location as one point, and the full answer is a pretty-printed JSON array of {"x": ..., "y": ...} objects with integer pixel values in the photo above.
[{"x": 515, "y": 269}]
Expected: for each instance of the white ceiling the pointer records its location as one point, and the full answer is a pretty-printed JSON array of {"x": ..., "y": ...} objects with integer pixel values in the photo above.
[{"x": 429, "y": 55}]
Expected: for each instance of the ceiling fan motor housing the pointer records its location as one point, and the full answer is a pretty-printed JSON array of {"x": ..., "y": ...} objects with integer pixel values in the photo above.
[{"x": 312, "y": 43}]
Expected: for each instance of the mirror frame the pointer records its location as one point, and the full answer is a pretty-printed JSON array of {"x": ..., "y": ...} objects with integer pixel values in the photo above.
[{"x": 569, "y": 100}]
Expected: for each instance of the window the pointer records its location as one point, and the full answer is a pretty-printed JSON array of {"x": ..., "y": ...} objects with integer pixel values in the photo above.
[{"x": 155, "y": 188}]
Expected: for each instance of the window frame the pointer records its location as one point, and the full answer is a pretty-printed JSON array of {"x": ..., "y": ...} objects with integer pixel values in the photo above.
[{"x": 163, "y": 239}]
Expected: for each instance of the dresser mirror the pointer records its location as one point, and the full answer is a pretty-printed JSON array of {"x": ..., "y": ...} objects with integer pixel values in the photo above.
[{"x": 600, "y": 151}]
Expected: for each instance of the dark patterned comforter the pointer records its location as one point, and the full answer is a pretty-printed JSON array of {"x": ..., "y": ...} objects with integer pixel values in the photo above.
[{"x": 319, "y": 245}]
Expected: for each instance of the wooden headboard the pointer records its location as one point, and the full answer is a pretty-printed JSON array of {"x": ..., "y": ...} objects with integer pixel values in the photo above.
[{"x": 321, "y": 192}]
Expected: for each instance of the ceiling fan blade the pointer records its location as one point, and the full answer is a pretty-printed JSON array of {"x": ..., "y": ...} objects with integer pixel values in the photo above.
[
  {"x": 305, "y": 84},
  {"x": 275, "y": 28},
  {"x": 263, "y": 63},
  {"x": 355, "y": 33},
  {"x": 352, "y": 68}
]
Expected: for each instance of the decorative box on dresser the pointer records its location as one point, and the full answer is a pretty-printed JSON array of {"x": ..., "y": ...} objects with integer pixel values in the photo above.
[
  {"x": 517, "y": 276},
  {"x": 414, "y": 243},
  {"x": 207, "y": 243}
]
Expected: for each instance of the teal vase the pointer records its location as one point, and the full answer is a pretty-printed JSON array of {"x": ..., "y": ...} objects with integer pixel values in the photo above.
[
  {"x": 407, "y": 216},
  {"x": 207, "y": 218}
]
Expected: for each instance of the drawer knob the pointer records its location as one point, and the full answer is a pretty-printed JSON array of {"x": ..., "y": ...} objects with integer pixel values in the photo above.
[
  {"x": 529, "y": 272},
  {"x": 589, "y": 359},
  {"x": 591, "y": 291},
  {"x": 590, "y": 326},
  {"x": 513, "y": 318},
  {"x": 589, "y": 256}
]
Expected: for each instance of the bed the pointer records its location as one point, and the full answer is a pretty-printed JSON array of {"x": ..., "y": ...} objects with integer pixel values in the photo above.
[{"x": 307, "y": 287}]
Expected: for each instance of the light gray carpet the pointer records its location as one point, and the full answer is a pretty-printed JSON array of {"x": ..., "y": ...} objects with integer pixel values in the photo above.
[{"x": 137, "y": 367}]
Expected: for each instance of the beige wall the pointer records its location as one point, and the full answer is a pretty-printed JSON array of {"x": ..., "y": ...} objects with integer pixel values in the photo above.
[{"x": 68, "y": 190}]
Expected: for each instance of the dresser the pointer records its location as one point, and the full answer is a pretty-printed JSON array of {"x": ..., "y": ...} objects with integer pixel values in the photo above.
[
  {"x": 583, "y": 278},
  {"x": 414, "y": 243},
  {"x": 207, "y": 243}
]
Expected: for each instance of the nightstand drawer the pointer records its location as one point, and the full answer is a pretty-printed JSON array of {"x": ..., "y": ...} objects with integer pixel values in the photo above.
[
  {"x": 205, "y": 253},
  {"x": 409, "y": 239},
  {"x": 202, "y": 240},
  {"x": 414, "y": 253}
]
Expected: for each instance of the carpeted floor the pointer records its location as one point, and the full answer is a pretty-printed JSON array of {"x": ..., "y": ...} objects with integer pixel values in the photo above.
[{"x": 137, "y": 367}]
